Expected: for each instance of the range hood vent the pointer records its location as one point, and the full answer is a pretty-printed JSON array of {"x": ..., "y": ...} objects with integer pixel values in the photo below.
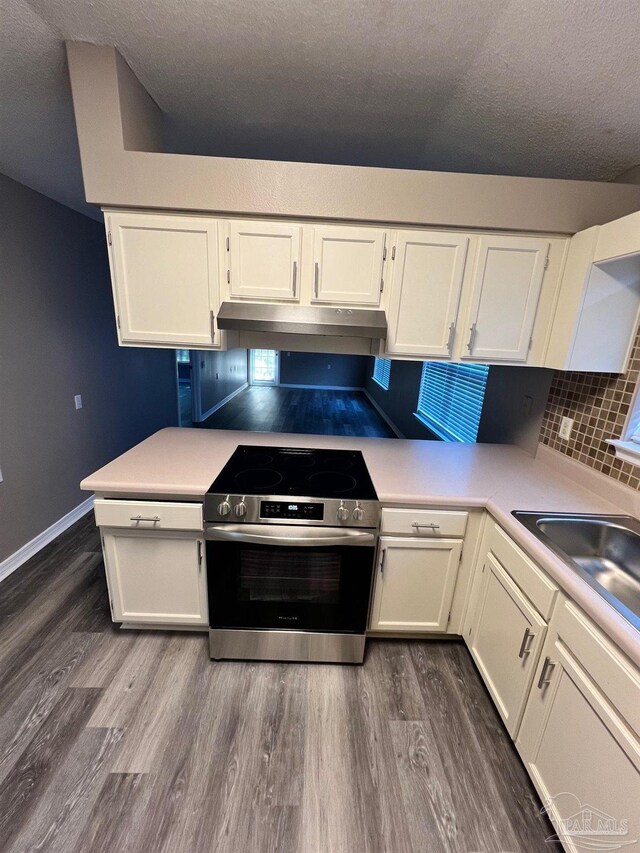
[{"x": 303, "y": 320}]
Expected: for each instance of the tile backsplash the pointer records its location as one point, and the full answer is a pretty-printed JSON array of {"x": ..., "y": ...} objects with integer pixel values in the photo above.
[{"x": 599, "y": 404}]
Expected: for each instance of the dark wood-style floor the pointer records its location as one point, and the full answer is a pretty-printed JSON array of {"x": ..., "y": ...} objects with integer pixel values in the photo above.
[
  {"x": 300, "y": 410},
  {"x": 132, "y": 741}
]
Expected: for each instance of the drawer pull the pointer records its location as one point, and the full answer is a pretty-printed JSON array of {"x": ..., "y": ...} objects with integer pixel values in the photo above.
[
  {"x": 544, "y": 679},
  {"x": 525, "y": 645},
  {"x": 430, "y": 526},
  {"x": 153, "y": 518},
  {"x": 382, "y": 558}
]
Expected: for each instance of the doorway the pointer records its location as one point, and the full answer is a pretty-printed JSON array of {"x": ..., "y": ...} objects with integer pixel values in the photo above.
[
  {"x": 185, "y": 387},
  {"x": 263, "y": 367}
]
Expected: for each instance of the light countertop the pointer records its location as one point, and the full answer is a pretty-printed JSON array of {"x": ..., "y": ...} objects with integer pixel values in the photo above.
[{"x": 178, "y": 463}]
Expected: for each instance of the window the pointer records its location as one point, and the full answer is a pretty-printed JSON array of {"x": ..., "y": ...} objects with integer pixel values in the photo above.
[
  {"x": 627, "y": 448},
  {"x": 382, "y": 372},
  {"x": 264, "y": 367},
  {"x": 450, "y": 399}
]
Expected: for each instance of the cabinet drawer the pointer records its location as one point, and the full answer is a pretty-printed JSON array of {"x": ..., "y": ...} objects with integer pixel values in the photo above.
[
  {"x": 148, "y": 515},
  {"x": 424, "y": 522},
  {"x": 538, "y": 588},
  {"x": 615, "y": 675}
]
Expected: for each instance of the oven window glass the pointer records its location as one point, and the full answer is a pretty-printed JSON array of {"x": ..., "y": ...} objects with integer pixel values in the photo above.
[
  {"x": 285, "y": 576},
  {"x": 323, "y": 588}
]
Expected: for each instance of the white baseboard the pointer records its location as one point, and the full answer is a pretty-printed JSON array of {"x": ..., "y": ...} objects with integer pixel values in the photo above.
[
  {"x": 323, "y": 387},
  {"x": 385, "y": 417},
  {"x": 38, "y": 542},
  {"x": 223, "y": 402}
]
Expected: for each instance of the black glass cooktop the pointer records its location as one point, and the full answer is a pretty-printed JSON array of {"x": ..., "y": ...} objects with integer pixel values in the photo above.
[{"x": 295, "y": 471}]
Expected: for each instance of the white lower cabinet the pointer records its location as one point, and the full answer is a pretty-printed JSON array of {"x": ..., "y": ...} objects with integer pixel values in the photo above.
[
  {"x": 579, "y": 737},
  {"x": 505, "y": 641},
  {"x": 156, "y": 577},
  {"x": 414, "y": 585}
]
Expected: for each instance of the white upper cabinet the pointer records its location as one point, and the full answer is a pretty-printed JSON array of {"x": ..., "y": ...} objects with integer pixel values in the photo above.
[
  {"x": 263, "y": 260},
  {"x": 165, "y": 278},
  {"x": 428, "y": 270},
  {"x": 348, "y": 264},
  {"x": 598, "y": 309},
  {"x": 507, "y": 280},
  {"x": 618, "y": 238}
]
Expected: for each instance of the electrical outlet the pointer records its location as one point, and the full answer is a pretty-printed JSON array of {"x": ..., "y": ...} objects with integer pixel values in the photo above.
[
  {"x": 78, "y": 401},
  {"x": 566, "y": 426},
  {"x": 527, "y": 404}
]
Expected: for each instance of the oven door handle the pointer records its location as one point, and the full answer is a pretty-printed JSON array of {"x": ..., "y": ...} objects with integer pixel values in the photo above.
[{"x": 300, "y": 537}]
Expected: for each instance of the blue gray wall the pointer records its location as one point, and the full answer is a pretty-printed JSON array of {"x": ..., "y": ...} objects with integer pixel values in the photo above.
[
  {"x": 311, "y": 368},
  {"x": 58, "y": 339},
  {"x": 221, "y": 373}
]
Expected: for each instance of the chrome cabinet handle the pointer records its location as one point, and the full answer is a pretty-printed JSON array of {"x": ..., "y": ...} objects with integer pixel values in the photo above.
[
  {"x": 472, "y": 336},
  {"x": 452, "y": 331},
  {"x": 431, "y": 526},
  {"x": 316, "y": 280},
  {"x": 382, "y": 559},
  {"x": 153, "y": 518},
  {"x": 544, "y": 679},
  {"x": 525, "y": 645},
  {"x": 295, "y": 276},
  {"x": 213, "y": 327}
]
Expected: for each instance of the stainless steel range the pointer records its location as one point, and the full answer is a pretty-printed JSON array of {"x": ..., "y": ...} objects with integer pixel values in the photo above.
[{"x": 291, "y": 536}]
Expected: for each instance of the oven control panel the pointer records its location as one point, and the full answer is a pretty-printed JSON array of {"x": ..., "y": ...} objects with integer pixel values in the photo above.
[{"x": 292, "y": 509}]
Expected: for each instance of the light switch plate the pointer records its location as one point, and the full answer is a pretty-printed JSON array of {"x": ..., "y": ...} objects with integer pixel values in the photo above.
[{"x": 78, "y": 401}]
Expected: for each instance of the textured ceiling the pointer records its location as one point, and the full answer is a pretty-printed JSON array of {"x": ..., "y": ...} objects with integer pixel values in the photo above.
[{"x": 524, "y": 87}]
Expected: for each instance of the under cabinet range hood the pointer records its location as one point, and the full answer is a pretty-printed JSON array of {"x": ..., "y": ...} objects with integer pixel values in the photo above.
[{"x": 303, "y": 320}]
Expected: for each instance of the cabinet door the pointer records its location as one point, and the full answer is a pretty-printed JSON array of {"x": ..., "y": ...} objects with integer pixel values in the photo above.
[
  {"x": 425, "y": 292},
  {"x": 507, "y": 282},
  {"x": 414, "y": 584},
  {"x": 348, "y": 265},
  {"x": 264, "y": 260},
  {"x": 165, "y": 274},
  {"x": 506, "y": 637},
  {"x": 154, "y": 577},
  {"x": 582, "y": 756}
]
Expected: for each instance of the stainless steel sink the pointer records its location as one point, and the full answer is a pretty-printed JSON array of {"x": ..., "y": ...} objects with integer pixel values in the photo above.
[{"x": 602, "y": 549}]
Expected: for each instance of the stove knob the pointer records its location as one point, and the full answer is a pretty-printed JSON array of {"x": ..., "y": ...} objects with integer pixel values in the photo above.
[
  {"x": 224, "y": 508},
  {"x": 358, "y": 513},
  {"x": 240, "y": 509},
  {"x": 342, "y": 513}
]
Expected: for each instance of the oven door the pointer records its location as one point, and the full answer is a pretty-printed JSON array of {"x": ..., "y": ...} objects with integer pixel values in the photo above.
[{"x": 289, "y": 577}]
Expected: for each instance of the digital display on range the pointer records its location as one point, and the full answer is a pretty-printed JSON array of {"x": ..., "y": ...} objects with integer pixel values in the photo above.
[{"x": 284, "y": 509}]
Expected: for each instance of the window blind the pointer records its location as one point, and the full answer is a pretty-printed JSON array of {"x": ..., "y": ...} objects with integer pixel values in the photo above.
[
  {"x": 450, "y": 399},
  {"x": 382, "y": 372}
]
